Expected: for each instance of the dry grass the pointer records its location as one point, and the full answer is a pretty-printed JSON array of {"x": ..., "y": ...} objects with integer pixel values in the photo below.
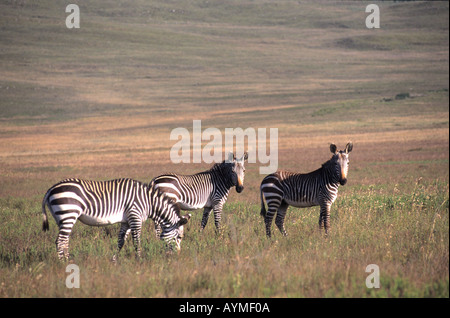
[{"x": 100, "y": 103}]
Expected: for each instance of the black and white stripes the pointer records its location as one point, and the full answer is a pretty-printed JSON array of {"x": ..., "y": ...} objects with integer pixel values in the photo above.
[
  {"x": 319, "y": 187},
  {"x": 99, "y": 203},
  {"x": 208, "y": 189},
  {"x": 131, "y": 203}
]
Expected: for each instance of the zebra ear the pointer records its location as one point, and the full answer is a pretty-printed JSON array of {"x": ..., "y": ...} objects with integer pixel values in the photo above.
[
  {"x": 243, "y": 158},
  {"x": 349, "y": 147},
  {"x": 333, "y": 148},
  {"x": 184, "y": 219}
]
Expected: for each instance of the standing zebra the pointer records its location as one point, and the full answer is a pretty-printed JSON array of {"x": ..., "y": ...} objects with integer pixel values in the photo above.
[
  {"x": 99, "y": 203},
  {"x": 320, "y": 187},
  {"x": 208, "y": 189}
]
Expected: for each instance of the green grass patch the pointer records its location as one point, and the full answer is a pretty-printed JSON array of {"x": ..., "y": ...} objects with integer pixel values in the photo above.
[{"x": 406, "y": 234}]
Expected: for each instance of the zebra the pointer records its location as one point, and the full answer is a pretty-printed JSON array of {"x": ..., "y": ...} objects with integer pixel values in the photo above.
[
  {"x": 101, "y": 203},
  {"x": 319, "y": 187},
  {"x": 208, "y": 189}
]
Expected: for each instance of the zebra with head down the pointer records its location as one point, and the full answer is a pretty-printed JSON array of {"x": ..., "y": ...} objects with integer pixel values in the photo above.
[{"x": 100, "y": 203}]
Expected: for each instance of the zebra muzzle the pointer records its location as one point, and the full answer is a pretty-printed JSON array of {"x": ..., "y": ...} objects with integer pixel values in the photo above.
[{"x": 239, "y": 188}]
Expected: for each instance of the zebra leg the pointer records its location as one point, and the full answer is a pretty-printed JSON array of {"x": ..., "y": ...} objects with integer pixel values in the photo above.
[
  {"x": 217, "y": 215},
  {"x": 158, "y": 230},
  {"x": 324, "y": 219},
  {"x": 279, "y": 221},
  {"x": 123, "y": 233},
  {"x": 62, "y": 245},
  {"x": 62, "y": 241},
  {"x": 272, "y": 208},
  {"x": 206, "y": 213},
  {"x": 136, "y": 226}
]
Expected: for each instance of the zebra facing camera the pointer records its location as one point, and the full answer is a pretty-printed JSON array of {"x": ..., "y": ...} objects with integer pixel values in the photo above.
[{"x": 283, "y": 188}]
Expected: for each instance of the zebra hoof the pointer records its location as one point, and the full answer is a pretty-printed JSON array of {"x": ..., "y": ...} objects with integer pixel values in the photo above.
[{"x": 114, "y": 259}]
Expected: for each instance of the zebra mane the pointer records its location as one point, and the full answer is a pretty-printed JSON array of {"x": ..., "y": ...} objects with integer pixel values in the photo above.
[
  {"x": 327, "y": 167},
  {"x": 222, "y": 168},
  {"x": 215, "y": 167},
  {"x": 220, "y": 165},
  {"x": 328, "y": 163},
  {"x": 223, "y": 171}
]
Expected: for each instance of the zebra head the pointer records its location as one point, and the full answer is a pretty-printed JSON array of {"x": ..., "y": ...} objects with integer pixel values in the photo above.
[
  {"x": 173, "y": 234},
  {"x": 340, "y": 162},
  {"x": 238, "y": 172}
]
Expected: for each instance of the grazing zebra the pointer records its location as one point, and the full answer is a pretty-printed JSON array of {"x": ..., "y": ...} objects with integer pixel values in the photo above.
[
  {"x": 99, "y": 203},
  {"x": 320, "y": 187},
  {"x": 208, "y": 189}
]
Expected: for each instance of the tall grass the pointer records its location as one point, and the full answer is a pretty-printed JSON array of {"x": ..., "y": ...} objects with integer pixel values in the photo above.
[
  {"x": 99, "y": 102},
  {"x": 405, "y": 234}
]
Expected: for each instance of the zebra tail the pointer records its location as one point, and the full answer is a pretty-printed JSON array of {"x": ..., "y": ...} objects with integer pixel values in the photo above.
[
  {"x": 263, "y": 207},
  {"x": 44, "y": 213}
]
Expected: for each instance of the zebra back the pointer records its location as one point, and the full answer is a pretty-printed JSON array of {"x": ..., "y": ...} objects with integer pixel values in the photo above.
[{"x": 196, "y": 187}]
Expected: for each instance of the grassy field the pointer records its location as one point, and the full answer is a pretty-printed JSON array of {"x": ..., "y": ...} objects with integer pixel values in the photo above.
[{"x": 99, "y": 102}]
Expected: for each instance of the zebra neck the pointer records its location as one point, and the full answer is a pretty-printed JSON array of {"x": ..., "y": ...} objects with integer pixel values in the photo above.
[
  {"x": 330, "y": 176},
  {"x": 220, "y": 174}
]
